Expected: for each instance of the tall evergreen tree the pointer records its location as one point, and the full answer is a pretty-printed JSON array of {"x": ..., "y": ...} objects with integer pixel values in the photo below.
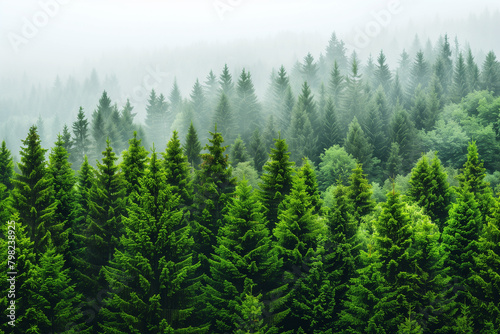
[
  {"x": 6, "y": 166},
  {"x": 402, "y": 132},
  {"x": 419, "y": 74},
  {"x": 330, "y": 129},
  {"x": 192, "y": 148},
  {"x": 309, "y": 70},
  {"x": 157, "y": 293},
  {"x": 226, "y": 83},
  {"x": 34, "y": 193},
  {"x": 472, "y": 71},
  {"x": 248, "y": 109},
  {"x": 175, "y": 99},
  {"x": 214, "y": 184},
  {"x": 177, "y": 172},
  {"x": 244, "y": 260},
  {"x": 490, "y": 73},
  {"x": 276, "y": 180},
  {"x": 81, "y": 142},
  {"x": 223, "y": 118},
  {"x": 420, "y": 111},
  {"x": 360, "y": 193},
  {"x": 238, "y": 152},
  {"x": 133, "y": 165},
  {"x": 357, "y": 144},
  {"x": 337, "y": 83},
  {"x": 258, "y": 150},
  {"x": 354, "y": 97},
  {"x": 460, "y": 85},
  {"x": 383, "y": 76}
]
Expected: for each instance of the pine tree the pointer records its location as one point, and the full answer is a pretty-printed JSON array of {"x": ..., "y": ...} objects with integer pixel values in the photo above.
[
  {"x": 81, "y": 142},
  {"x": 460, "y": 240},
  {"x": 52, "y": 297},
  {"x": 490, "y": 73},
  {"x": 283, "y": 100},
  {"x": 420, "y": 111},
  {"x": 238, "y": 152},
  {"x": 6, "y": 167},
  {"x": 303, "y": 140},
  {"x": 127, "y": 122},
  {"x": 308, "y": 173},
  {"x": 223, "y": 118},
  {"x": 276, "y": 180},
  {"x": 199, "y": 103},
  {"x": 383, "y": 75},
  {"x": 357, "y": 144},
  {"x": 244, "y": 260},
  {"x": 248, "y": 109},
  {"x": 354, "y": 97},
  {"x": 226, "y": 83},
  {"x": 360, "y": 193},
  {"x": 330, "y": 129},
  {"x": 104, "y": 222},
  {"x": 177, "y": 171},
  {"x": 258, "y": 151},
  {"x": 472, "y": 71},
  {"x": 296, "y": 239},
  {"x": 309, "y": 70},
  {"x": 66, "y": 138},
  {"x": 33, "y": 193},
  {"x": 336, "y": 52},
  {"x": 337, "y": 83},
  {"x": 402, "y": 132},
  {"x": 175, "y": 100},
  {"x": 214, "y": 184},
  {"x": 158, "y": 290},
  {"x": 156, "y": 117},
  {"x": 63, "y": 181},
  {"x": 133, "y": 165},
  {"x": 460, "y": 86},
  {"x": 306, "y": 104},
  {"x": 394, "y": 164},
  {"x": 419, "y": 74},
  {"x": 472, "y": 177},
  {"x": 375, "y": 128},
  {"x": 192, "y": 148}
]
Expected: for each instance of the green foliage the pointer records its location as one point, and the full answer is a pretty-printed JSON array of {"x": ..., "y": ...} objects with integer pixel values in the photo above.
[
  {"x": 247, "y": 109},
  {"x": 258, "y": 151},
  {"x": 336, "y": 164},
  {"x": 6, "y": 166},
  {"x": 360, "y": 193},
  {"x": 192, "y": 148},
  {"x": 34, "y": 194},
  {"x": 223, "y": 118},
  {"x": 238, "y": 152},
  {"x": 276, "y": 180},
  {"x": 134, "y": 164}
]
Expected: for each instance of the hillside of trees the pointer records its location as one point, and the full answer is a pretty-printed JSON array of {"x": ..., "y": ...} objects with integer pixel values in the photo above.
[{"x": 352, "y": 198}]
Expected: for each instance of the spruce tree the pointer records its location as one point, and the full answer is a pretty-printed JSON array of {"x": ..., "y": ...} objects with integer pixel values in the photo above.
[
  {"x": 192, "y": 148},
  {"x": 158, "y": 290},
  {"x": 33, "y": 193},
  {"x": 226, "y": 83},
  {"x": 472, "y": 177},
  {"x": 308, "y": 173},
  {"x": 63, "y": 181},
  {"x": 490, "y": 74},
  {"x": 66, "y": 138},
  {"x": 402, "y": 132},
  {"x": 223, "y": 118},
  {"x": 199, "y": 103},
  {"x": 330, "y": 129},
  {"x": 375, "y": 128},
  {"x": 133, "y": 165},
  {"x": 244, "y": 260},
  {"x": 460, "y": 86},
  {"x": 360, "y": 193},
  {"x": 213, "y": 187},
  {"x": 81, "y": 142},
  {"x": 276, "y": 180},
  {"x": 420, "y": 111},
  {"x": 394, "y": 164},
  {"x": 177, "y": 172},
  {"x": 258, "y": 151},
  {"x": 6, "y": 166},
  {"x": 383, "y": 75},
  {"x": 419, "y": 74},
  {"x": 247, "y": 108},
  {"x": 104, "y": 222},
  {"x": 238, "y": 152},
  {"x": 337, "y": 83},
  {"x": 357, "y": 145}
]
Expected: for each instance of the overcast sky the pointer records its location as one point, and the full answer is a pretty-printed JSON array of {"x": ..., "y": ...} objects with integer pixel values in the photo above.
[{"x": 84, "y": 26}]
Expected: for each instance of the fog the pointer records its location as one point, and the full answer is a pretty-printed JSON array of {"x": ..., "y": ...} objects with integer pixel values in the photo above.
[{"x": 138, "y": 45}]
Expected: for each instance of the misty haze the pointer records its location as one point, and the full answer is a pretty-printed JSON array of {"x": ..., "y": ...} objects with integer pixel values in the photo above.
[{"x": 232, "y": 166}]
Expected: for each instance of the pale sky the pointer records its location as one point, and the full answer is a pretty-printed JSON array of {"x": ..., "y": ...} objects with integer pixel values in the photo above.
[{"x": 81, "y": 29}]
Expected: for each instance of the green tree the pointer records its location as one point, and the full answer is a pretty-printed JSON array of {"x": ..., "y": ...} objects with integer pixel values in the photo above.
[
  {"x": 335, "y": 166},
  {"x": 223, "y": 118},
  {"x": 383, "y": 76},
  {"x": 330, "y": 130},
  {"x": 34, "y": 194},
  {"x": 244, "y": 260},
  {"x": 472, "y": 177},
  {"x": 419, "y": 73},
  {"x": 158, "y": 290},
  {"x": 308, "y": 173},
  {"x": 276, "y": 180},
  {"x": 460, "y": 86},
  {"x": 360, "y": 193},
  {"x": 6, "y": 166},
  {"x": 248, "y": 109},
  {"x": 199, "y": 103},
  {"x": 238, "y": 152},
  {"x": 133, "y": 165},
  {"x": 257, "y": 150},
  {"x": 490, "y": 73},
  {"x": 337, "y": 84},
  {"x": 420, "y": 111},
  {"x": 104, "y": 222},
  {"x": 226, "y": 83},
  {"x": 357, "y": 145},
  {"x": 177, "y": 172},
  {"x": 192, "y": 148},
  {"x": 402, "y": 132},
  {"x": 309, "y": 71},
  {"x": 214, "y": 185},
  {"x": 394, "y": 164},
  {"x": 81, "y": 142}
]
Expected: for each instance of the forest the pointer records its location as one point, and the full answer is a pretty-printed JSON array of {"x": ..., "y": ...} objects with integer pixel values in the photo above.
[{"x": 352, "y": 198}]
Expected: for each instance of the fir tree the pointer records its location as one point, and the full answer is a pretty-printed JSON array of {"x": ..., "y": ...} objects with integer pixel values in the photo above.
[
  {"x": 360, "y": 193},
  {"x": 238, "y": 152},
  {"x": 258, "y": 151},
  {"x": 308, "y": 173},
  {"x": 66, "y": 138},
  {"x": 244, "y": 260},
  {"x": 223, "y": 118},
  {"x": 472, "y": 71},
  {"x": 460, "y": 86},
  {"x": 226, "y": 83},
  {"x": 248, "y": 109},
  {"x": 134, "y": 164},
  {"x": 383, "y": 75},
  {"x": 402, "y": 132},
  {"x": 330, "y": 130},
  {"x": 177, "y": 171},
  {"x": 157, "y": 237},
  {"x": 357, "y": 145},
  {"x": 276, "y": 180},
  {"x": 420, "y": 111},
  {"x": 81, "y": 142},
  {"x": 394, "y": 164},
  {"x": 419, "y": 74},
  {"x": 34, "y": 194},
  {"x": 6, "y": 166},
  {"x": 309, "y": 70},
  {"x": 175, "y": 100},
  {"x": 337, "y": 83},
  {"x": 490, "y": 73},
  {"x": 192, "y": 148}
]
